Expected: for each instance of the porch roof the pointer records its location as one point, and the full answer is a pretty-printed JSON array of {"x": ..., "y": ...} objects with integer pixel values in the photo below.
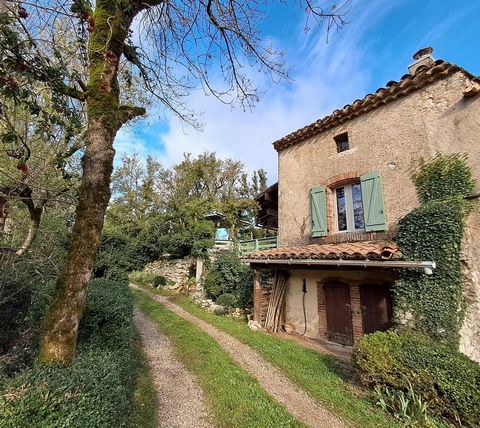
[{"x": 366, "y": 250}]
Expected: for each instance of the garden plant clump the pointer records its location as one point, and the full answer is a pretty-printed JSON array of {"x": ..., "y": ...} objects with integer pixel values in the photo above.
[
  {"x": 96, "y": 388},
  {"x": 146, "y": 279},
  {"x": 445, "y": 380},
  {"x": 229, "y": 276}
]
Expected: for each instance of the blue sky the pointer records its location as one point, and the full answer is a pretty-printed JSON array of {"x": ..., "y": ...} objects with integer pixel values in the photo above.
[{"x": 375, "y": 47}]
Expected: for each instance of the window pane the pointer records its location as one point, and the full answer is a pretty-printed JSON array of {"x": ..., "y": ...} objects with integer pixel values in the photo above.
[
  {"x": 342, "y": 145},
  {"x": 358, "y": 216},
  {"x": 341, "y": 209}
]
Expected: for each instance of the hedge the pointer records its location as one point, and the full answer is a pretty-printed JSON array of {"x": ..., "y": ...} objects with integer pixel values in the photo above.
[
  {"x": 445, "y": 378},
  {"x": 95, "y": 390}
]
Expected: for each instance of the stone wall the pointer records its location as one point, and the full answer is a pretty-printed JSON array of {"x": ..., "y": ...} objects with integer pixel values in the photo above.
[
  {"x": 434, "y": 119},
  {"x": 470, "y": 332},
  {"x": 176, "y": 270}
]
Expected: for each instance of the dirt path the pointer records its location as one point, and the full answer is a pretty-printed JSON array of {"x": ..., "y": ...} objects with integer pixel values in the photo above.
[
  {"x": 180, "y": 399},
  {"x": 295, "y": 400}
]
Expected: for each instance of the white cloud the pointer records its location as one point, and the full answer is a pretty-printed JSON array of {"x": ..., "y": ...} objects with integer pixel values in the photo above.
[{"x": 326, "y": 76}]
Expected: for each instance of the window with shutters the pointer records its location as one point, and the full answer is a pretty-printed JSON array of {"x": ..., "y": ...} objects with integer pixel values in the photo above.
[
  {"x": 357, "y": 204},
  {"x": 348, "y": 203}
]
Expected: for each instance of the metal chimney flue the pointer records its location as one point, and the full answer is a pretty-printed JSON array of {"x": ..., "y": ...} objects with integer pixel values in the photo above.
[{"x": 423, "y": 58}]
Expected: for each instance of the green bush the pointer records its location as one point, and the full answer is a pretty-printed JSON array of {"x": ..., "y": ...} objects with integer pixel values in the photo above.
[
  {"x": 444, "y": 378},
  {"x": 117, "y": 256},
  {"x": 146, "y": 279},
  {"x": 229, "y": 275},
  {"x": 159, "y": 281},
  {"x": 95, "y": 389},
  {"x": 228, "y": 300}
]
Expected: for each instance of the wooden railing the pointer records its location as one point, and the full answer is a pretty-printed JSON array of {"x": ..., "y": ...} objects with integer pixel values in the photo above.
[
  {"x": 248, "y": 246},
  {"x": 260, "y": 244},
  {"x": 223, "y": 246}
]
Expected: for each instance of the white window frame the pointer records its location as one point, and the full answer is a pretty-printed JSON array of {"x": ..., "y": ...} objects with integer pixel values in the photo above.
[{"x": 348, "y": 209}]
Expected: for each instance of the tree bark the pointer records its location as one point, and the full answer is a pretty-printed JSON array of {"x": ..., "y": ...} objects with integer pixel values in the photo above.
[
  {"x": 35, "y": 218},
  {"x": 3, "y": 214},
  {"x": 105, "y": 116},
  {"x": 60, "y": 328}
]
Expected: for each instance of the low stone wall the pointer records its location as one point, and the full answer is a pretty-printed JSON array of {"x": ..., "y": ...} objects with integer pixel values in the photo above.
[{"x": 176, "y": 270}]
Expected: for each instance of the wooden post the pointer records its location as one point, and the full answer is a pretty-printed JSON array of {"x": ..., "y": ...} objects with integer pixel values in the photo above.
[{"x": 257, "y": 296}]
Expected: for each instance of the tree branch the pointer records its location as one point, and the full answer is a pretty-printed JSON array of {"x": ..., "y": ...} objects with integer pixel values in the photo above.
[{"x": 127, "y": 113}]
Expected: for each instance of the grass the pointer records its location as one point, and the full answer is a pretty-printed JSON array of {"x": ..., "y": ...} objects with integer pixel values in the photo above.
[
  {"x": 322, "y": 376},
  {"x": 233, "y": 397},
  {"x": 144, "y": 406}
]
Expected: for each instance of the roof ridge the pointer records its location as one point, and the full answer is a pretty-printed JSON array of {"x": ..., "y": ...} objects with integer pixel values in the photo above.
[{"x": 408, "y": 83}]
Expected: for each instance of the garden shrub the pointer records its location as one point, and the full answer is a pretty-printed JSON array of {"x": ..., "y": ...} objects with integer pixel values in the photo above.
[
  {"x": 95, "y": 389},
  {"x": 142, "y": 278},
  {"x": 159, "y": 281},
  {"x": 227, "y": 300},
  {"x": 444, "y": 378},
  {"x": 228, "y": 274}
]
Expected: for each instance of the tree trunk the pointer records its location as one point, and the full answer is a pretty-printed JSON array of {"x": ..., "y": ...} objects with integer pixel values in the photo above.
[
  {"x": 35, "y": 218},
  {"x": 3, "y": 214},
  {"x": 60, "y": 328},
  {"x": 105, "y": 117}
]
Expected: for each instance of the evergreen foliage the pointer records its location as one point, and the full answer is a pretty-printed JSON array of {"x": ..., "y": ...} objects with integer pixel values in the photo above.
[
  {"x": 95, "y": 390},
  {"x": 228, "y": 275},
  {"x": 227, "y": 300},
  {"x": 434, "y": 304},
  {"x": 157, "y": 210},
  {"x": 444, "y": 378}
]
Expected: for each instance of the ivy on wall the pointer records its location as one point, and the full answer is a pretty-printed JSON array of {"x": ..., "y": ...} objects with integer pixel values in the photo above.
[{"x": 434, "y": 304}]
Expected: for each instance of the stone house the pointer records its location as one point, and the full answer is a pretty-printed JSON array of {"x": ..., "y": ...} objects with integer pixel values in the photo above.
[{"x": 344, "y": 184}]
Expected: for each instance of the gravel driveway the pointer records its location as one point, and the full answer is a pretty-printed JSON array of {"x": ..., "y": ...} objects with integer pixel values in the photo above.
[
  {"x": 180, "y": 399},
  {"x": 295, "y": 400}
]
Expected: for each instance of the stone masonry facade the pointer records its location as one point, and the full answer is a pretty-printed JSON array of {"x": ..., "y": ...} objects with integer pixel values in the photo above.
[{"x": 437, "y": 118}]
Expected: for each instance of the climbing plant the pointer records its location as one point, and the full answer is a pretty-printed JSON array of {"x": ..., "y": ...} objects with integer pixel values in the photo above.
[{"x": 434, "y": 304}]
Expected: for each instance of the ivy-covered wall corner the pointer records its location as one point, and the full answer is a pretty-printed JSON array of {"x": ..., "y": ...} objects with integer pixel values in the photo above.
[
  {"x": 435, "y": 305},
  {"x": 470, "y": 331}
]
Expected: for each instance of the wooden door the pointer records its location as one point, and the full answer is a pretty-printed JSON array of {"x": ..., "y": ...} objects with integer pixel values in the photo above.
[
  {"x": 376, "y": 306},
  {"x": 339, "y": 315}
]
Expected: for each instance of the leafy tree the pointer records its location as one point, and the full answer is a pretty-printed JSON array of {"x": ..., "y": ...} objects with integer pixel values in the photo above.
[
  {"x": 137, "y": 193},
  {"x": 178, "y": 43},
  {"x": 156, "y": 211},
  {"x": 38, "y": 166}
]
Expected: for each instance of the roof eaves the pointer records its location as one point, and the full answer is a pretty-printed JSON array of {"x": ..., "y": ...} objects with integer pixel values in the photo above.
[{"x": 394, "y": 90}]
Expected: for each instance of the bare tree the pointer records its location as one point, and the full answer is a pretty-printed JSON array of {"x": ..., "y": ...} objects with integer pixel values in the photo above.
[{"x": 172, "y": 45}]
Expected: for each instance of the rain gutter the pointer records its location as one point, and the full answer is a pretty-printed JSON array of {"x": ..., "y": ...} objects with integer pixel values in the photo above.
[{"x": 427, "y": 266}]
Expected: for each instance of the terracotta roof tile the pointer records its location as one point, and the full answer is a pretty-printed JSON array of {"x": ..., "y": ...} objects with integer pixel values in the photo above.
[
  {"x": 371, "y": 250},
  {"x": 394, "y": 90}
]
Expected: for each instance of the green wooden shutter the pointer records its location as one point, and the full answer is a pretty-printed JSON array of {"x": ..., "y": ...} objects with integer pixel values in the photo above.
[
  {"x": 318, "y": 211},
  {"x": 373, "y": 206}
]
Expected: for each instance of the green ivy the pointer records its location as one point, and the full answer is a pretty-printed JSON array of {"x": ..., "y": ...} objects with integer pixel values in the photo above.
[
  {"x": 444, "y": 177},
  {"x": 434, "y": 304}
]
